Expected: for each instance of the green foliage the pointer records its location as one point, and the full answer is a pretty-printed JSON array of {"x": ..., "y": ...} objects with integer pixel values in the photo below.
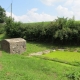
[
  {"x": 12, "y": 28},
  {"x": 19, "y": 67},
  {"x": 60, "y": 31},
  {"x": 3, "y": 36},
  {"x": 2, "y": 20},
  {"x": 73, "y": 75},
  {"x": 2, "y": 28},
  {"x": 2, "y": 15}
]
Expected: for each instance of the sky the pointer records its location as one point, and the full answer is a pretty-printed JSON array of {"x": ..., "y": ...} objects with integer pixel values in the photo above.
[{"x": 41, "y": 10}]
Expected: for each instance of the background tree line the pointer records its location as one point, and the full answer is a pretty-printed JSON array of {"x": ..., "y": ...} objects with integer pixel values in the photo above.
[
  {"x": 2, "y": 19},
  {"x": 60, "y": 31}
]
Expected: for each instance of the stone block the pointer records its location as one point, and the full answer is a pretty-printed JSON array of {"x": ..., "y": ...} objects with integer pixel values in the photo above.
[{"x": 14, "y": 45}]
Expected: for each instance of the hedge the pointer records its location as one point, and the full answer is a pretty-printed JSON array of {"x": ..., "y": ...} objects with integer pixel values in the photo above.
[{"x": 61, "y": 30}]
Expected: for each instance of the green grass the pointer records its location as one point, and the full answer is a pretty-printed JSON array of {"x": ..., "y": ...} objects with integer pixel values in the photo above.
[
  {"x": 72, "y": 58},
  {"x": 3, "y": 36},
  {"x": 33, "y": 47},
  {"x": 18, "y": 67},
  {"x": 22, "y": 67},
  {"x": 65, "y": 56}
]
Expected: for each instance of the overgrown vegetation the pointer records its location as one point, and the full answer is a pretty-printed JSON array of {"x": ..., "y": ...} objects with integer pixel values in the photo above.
[
  {"x": 2, "y": 15},
  {"x": 2, "y": 28},
  {"x": 2, "y": 20},
  {"x": 61, "y": 31}
]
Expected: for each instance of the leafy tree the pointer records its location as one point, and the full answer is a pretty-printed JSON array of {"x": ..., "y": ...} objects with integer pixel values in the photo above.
[{"x": 2, "y": 15}]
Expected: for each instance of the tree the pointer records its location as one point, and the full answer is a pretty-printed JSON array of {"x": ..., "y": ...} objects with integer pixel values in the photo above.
[{"x": 2, "y": 15}]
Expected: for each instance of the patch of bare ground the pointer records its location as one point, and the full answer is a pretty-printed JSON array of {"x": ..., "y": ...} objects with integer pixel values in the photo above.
[
  {"x": 40, "y": 53},
  {"x": 43, "y": 52}
]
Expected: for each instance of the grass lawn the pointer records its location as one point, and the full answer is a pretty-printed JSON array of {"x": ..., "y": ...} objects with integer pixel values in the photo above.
[
  {"x": 19, "y": 67},
  {"x": 22, "y": 67}
]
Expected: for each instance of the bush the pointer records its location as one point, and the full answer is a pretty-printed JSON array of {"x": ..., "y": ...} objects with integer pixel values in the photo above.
[
  {"x": 61, "y": 31},
  {"x": 2, "y": 28}
]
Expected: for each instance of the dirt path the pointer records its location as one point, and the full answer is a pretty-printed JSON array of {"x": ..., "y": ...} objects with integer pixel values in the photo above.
[
  {"x": 43, "y": 52},
  {"x": 40, "y": 53}
]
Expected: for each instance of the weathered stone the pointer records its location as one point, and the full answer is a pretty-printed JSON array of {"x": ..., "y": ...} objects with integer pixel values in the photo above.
[
  {"x": 46, "y": 51},
  {"x": 15, "y": 45}
]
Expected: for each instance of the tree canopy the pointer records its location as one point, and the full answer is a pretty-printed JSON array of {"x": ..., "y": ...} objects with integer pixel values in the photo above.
[{"x": 2, "y": 15}]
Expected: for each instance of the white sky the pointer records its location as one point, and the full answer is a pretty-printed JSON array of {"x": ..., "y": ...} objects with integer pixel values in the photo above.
[{"x": 43, "y": 10}]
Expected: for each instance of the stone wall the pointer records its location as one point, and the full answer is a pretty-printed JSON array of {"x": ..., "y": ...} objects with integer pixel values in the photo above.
[{"x": 15, "y": 45}]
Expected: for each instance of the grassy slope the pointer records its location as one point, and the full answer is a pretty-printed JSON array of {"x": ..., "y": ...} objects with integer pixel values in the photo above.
[{"x": 20, "y": 67}]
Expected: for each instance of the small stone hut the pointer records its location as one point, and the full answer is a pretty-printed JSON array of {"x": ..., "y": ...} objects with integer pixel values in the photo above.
[{"x": 14, "y": 45}]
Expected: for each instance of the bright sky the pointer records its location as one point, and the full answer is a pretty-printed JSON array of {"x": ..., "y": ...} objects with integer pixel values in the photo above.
[{"x": 41, "y": 10}]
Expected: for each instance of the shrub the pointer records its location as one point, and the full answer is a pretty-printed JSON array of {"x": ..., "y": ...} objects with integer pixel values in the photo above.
[
  {"x": 61, "y": 31},
  {"x": 2, "y": 28}
]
